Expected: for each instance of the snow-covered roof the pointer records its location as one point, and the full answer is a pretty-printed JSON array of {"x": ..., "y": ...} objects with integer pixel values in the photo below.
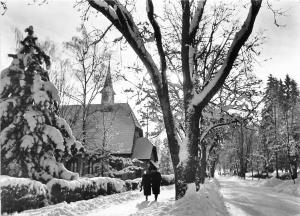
[
  {"x": 117, "y": 121},
  {"x": 142, "y": 149}
]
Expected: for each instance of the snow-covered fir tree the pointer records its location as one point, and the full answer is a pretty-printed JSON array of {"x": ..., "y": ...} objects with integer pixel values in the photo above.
[{"x": 34, "y": 140}]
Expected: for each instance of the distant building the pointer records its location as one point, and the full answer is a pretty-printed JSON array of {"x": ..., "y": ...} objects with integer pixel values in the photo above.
[{"x": 111, "y": 127}]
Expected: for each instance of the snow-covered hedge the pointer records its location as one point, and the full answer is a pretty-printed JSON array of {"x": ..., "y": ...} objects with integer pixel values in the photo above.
[
  {"x": 125, "y": 168},
  {"x": 168, "y": 179},
  {"x": 18, "y": 194},
  {"x": 133, "y": 184},
  {"x": 83, "y": 189},
  {"x": 130, "y": 172},
  {"x": 119, "y": 163}
]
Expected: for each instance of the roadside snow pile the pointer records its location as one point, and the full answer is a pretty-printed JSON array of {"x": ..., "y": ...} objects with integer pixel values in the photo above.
[
  {"x": 271, "y": 182},
  {"x": 283, "y": 186},
  {"x": 289, "y": 187},
  {"x": 206, "y": 202}
]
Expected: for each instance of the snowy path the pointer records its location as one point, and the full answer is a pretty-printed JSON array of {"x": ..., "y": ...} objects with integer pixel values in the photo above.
[
  {"x": 125, "y": 204},
  {"x": 206, "y": 202},
  {"x": 136, "y": 205},
  {"x": 243, "y": 198}
]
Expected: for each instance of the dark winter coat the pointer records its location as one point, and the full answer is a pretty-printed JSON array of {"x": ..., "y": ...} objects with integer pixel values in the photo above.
[
  {"x": 155, "y": 180},
  {"x": 146, "y": 184}
]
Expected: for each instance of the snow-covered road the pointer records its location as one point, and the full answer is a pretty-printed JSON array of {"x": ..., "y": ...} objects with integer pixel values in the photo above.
[{"x": 244, "y": 198}]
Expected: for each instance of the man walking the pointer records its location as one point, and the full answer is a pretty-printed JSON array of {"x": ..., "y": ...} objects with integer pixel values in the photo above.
[
  {"x": 146, "y": 183},
  {"x": 155, "y": 180}
]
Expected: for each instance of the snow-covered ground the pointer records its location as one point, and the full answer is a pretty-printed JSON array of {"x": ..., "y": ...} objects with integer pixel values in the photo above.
[
  {"x": 206, "y": 202},
  {"x": 247, "y": 197},
  {"x": 287, "y": 186}
]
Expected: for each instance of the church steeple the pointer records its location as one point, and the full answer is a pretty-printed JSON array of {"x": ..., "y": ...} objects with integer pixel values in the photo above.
[{"x": 108, "y": 93}]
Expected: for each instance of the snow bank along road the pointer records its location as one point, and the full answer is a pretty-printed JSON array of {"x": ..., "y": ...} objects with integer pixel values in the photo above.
[{"x": 243, "y": 198}]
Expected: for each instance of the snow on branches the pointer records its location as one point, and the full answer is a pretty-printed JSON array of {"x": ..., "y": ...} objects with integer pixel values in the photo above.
[
  {"x": 240, "y": 38},
  {"x": 34, "y": 140}
]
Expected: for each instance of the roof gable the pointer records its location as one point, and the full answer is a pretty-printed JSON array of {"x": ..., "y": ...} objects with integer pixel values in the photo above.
[
  {"x": 109, "y": 125},
  {"x": 142, "y": 149}
]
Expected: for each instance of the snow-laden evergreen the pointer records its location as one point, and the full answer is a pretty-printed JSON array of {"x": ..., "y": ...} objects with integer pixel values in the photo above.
[{"x": 34, "y": 140}]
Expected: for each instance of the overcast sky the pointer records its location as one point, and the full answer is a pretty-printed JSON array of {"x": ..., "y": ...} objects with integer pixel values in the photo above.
[{"x": 58, "y": 20}]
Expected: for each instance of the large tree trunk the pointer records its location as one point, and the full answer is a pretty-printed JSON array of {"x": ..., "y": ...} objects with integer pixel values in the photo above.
[
  {"x": 180, "y": 184},
  {"x": 192, "y": 135},
  {"x": 186, "y": 170}
]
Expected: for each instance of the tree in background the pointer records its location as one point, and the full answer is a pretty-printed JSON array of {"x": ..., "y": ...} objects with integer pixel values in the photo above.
[
  {"x": 34, "y": 140},
  {"x": 59, "y": 74},
  {"x": 88, "y": 64},
  {"x": 89, "y": 68},
  {"x": 279, "y": 124},
  {"x": 101, "y": 150},
  {"x": 165, "y": 165},
  {"x": 239, "y": 147}
]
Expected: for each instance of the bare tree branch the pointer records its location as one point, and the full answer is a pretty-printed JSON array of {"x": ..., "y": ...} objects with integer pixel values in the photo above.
[
  {"x": 123, "y": 21},
  {"x": 276, "y": 13},
  {"x": 197, "y": 18},
  {"x": 158, "y": 37},
  {"x": 240, "y": 38},
  {"x": 102, "y": 35},
  {"x": 207, "y": 130}
]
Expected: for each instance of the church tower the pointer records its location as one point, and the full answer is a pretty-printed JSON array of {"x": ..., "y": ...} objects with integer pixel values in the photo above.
[{"x": 108, "y": 93}]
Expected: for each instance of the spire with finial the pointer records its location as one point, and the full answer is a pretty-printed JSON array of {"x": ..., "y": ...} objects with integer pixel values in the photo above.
[{"x": 108, "y": 92}]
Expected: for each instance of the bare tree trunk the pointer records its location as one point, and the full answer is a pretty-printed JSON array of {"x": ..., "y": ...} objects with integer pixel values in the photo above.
[
  {"x": 241, "y": 152},
  {"x": 203, "y": 163},
  {"x": 213, "y": 168},
  {"x": 276, "y": 152},
  {"x": 81, "y": 166},
  {"x": 294, "y": 165},
  {"x": 83, "y": 142},
  {"x": 276, "y": 164},
  {"x": 192, "y": 135},
  {"x": 252, "y": 169},
  {"x": 257, "y": 166}
]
